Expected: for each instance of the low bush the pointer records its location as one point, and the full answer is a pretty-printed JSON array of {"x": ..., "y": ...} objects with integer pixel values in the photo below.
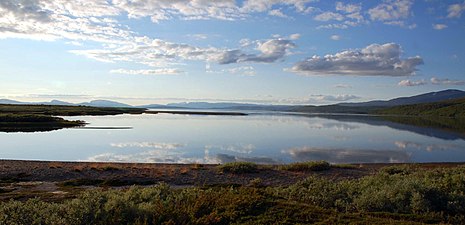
[
  {"x": 238, "y": 167},
  {"x": 307, "y": 166}
]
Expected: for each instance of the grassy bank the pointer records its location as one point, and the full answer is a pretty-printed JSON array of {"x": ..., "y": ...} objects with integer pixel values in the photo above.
[
  {"x": 32, "y": 123},
  {"x": 393, "y": 195},
  {"x": 32, "y": 118},
  {"x": 57, "y": 110}
]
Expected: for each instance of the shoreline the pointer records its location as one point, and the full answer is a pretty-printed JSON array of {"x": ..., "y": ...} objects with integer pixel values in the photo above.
[{"x": 124, "y": 173}]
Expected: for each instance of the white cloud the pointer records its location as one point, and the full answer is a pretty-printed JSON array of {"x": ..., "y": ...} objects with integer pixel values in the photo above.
[
  {"x": 348, "y": 8},
  {"x": 242, "y": 70},
  {"x": 182, "y": 9},
  {"x": 373, "y": 60},
  {"x": 391, "y": 10},
  {"x": 347, "y": 15},
  {"x": 438, "y": 81},
  {"x": 198, "y": 36},
  {"x": 294, "y": 36},
  {"x": 265, "y": 5},
  {"x": 335, "y": 37},
  {"x": 342, "y": 86},
  {"x": 410, "y": 83},
  {"x": 269, "y": 51},
  {"x": 278, "y": 13},
  {"x": 332, "y": 98},
  {"x": 439, "y": 26},
  {"x": 327, "y": 16},
  {"x": 455, "y": 10},
  {"x": 401, "y": 24},
  {"x": 156, "y": 145},
  {"x": 162, "y": 71}
]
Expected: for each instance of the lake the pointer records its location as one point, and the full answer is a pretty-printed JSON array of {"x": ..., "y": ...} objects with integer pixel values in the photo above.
[{"x": 259, "y": 137}]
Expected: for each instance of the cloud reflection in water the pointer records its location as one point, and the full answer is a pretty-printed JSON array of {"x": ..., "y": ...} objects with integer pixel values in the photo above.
[{"x": 348, "y": 155}]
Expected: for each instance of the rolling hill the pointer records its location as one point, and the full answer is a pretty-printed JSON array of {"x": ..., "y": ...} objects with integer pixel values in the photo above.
[{"x": 449, "y": 108}]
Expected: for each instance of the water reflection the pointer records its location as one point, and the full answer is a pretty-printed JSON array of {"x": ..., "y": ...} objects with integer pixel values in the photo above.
[
  {"x": 429, "y": 147},
  {"x": 225, "y": 158},
  {"x": 260, "y": 138},
  {"x": 443, "y": 128},
  {"x": 348, "y": 155},
  {"x": 26, "y": 129}
]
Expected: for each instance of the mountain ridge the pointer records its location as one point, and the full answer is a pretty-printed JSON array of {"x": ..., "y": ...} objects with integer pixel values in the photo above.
[{"x": 356, "y": 107}]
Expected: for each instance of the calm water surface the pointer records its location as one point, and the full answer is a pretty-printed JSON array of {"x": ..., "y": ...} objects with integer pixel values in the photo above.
[{"x": 257, "y": 138}]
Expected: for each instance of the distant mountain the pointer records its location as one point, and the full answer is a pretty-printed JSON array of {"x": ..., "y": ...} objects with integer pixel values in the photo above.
[
  {"x": 105, "y": 103},
  {"x": 206, "y": 105},
  {"x": 8, "y": 101},
  {"x": 423, "y": 98},
  {"x": 228, "y": 106},
  {"x": 159, "y": 106},
  {"x": 374, "y": 106},
  {"x": 54, "y": 102}
]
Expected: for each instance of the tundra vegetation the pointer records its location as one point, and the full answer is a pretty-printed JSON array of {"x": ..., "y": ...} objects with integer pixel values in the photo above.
[{"x": 405, "y": 194}]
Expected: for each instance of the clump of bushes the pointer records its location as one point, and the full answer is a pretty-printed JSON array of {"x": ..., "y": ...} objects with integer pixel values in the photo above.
[
  {"x": 404, "y": 190},
  {"x": 155, "y": 205},
  {"x": 399, "y": 197},
  {"x": 307, "y": 166},
  {"x": 238, "y": 167}
]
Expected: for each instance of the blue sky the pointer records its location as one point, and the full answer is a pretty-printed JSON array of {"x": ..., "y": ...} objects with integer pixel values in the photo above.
[{"x": 260, "y": 51}]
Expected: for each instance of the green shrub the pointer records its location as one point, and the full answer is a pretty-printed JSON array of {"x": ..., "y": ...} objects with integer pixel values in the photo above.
[
  {"x": 239, "y": 167},
  {"x": 307, "y": 166},
  {"x": 401, "y": 169}
]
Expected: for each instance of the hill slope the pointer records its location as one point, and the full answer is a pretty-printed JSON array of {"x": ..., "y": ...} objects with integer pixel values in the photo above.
[
  {"x": 449, "y": 108},
  {"x": 417, "y": 99}
]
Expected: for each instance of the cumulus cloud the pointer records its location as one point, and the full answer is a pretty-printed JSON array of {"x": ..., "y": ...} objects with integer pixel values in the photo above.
[
  {"x": 51, "y": 20},
  {"x": 445, "y": 81},
  {"x": 278, "y": 13},
  {"x": 439, "y": 26},
  {"x": 346, "y": 15},
  {"x": 373, "y": 60},
  {"x": 456, "y": 10},
  {"x": 183, "y": 9},
  {"x": 410, "y": 83},
  {"x": 348, "y": 8},
  {"x": 270, "y": 51},
  {"x": 265, "y": 5},
  {"x": 78, "y": 22},
  {"x": 326, "y": 16},
  {"x": 391, "y": 10}
]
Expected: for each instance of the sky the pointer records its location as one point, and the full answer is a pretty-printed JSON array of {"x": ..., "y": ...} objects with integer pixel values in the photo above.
[{"x": 251, "y": 51}]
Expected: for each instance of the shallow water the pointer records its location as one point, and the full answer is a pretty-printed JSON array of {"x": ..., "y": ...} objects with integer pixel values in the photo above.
[{"x": 261, "y": 138}]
